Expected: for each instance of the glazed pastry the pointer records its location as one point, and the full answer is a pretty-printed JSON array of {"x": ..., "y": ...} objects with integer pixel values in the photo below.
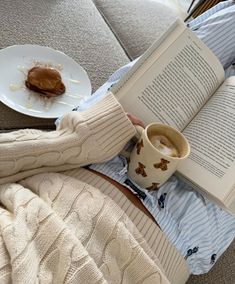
[{"x": 46, "y": 81}]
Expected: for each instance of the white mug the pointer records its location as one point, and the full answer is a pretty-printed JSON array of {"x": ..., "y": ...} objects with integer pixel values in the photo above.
[{"x": 150, "y": 166}]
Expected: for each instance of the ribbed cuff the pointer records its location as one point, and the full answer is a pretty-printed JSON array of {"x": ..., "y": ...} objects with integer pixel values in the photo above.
[{"x": 110, "y": 124}]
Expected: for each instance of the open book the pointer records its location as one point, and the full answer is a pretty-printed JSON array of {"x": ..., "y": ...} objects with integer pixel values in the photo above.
[{"x": 180, "y": 82}]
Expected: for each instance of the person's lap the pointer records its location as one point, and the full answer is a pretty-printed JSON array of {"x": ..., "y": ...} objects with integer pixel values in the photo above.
[{"x": 132, "y": 197}]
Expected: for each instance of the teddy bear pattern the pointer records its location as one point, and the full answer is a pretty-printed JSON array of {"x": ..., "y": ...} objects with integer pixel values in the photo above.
[
  {"x": 140, "y": 170},
  {"x": 154, "y": 186},
  {"x": 162, "y": 165},
  {"x": 139, "y": 145}
]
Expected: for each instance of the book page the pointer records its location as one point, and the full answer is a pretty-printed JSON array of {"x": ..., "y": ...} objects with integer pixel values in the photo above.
[
  {"x": 211, "y": 135},
  {"x": 173, "y": 82}
]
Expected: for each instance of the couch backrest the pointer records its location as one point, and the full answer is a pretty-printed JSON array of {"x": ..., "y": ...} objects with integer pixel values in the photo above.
[{"x": 136, "y": 23}]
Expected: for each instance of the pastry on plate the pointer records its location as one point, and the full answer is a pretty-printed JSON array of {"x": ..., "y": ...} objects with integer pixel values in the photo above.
[{"x": 46, "y": 81}]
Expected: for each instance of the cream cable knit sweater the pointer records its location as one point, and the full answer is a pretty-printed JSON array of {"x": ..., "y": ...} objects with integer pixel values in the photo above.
[
  {"x": 82, "y": 138},
  {"x": 56, "y": 229}
]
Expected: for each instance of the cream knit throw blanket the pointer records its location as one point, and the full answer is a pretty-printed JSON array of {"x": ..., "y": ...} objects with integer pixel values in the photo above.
[{"x": 56, "y": 229}]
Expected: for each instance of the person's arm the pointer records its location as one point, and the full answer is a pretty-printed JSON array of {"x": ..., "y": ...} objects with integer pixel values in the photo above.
[{"x": 94, "y": 135}]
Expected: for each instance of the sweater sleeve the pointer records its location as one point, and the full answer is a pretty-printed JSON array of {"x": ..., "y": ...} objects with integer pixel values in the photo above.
[{"x": 94, "y": 135}]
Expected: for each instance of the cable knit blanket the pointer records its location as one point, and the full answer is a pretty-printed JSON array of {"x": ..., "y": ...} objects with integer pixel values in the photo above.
[{"x": 56, "y": 229}]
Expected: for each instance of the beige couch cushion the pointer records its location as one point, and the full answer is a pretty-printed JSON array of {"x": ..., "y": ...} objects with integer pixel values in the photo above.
[
  {"x": 136, "y": 23},
  {"x": 72, "y": 26}
]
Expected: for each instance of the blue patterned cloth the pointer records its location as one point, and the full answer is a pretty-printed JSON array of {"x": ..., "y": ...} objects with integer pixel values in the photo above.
[{"x": 198, "y": 228}]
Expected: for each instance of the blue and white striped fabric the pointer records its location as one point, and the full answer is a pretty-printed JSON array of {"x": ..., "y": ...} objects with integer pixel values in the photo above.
[
  {"x": 216, "y": 28},
  {"x": 197, "y": 227}
]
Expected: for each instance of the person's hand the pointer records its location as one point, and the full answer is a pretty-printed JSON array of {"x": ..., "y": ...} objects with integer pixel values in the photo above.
[{"x": 135, "y": 120}]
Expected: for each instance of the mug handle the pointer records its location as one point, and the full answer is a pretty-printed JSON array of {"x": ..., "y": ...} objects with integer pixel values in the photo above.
[{"x": 139, "y": 129}]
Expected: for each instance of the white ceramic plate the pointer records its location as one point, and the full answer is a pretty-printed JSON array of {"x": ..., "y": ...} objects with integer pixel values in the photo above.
[{"x": 15, "y": 61}]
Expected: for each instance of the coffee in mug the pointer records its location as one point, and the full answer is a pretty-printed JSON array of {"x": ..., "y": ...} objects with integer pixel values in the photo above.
[{"x": 164, "y": 145}]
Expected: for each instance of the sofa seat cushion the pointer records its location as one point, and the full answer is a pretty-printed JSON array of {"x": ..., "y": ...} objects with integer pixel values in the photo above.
[{"x": 136, "y": 23}]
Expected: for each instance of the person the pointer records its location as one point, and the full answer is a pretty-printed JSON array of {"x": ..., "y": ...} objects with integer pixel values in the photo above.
[
  {"x": 59, "y": 227},
  {"x": 205, "y": 236},
  {"x": 206, "y": 231},
  {"x": 63, "y": 223}
]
